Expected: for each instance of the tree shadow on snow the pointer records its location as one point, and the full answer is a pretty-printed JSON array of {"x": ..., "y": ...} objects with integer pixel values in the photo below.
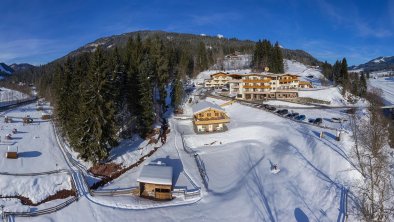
[
  {"x": 300, "y": 216},
  {"x": 255, "y": 189}
]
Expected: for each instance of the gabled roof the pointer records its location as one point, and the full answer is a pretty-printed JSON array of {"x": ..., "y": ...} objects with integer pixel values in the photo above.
[
  {"x": 204, "y": 105},
  {"x": 156, "y": 174}
]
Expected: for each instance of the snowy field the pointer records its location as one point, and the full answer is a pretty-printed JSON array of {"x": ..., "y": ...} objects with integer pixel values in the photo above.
[
  {"x": 241, "y": 186},
  {"x": 294, "y": 67},
  {"x": 37, "y": 153},
  {"x": 9, "y": 96},
  {"x": 332, "y": 95},
  {"x": 37, "y": 147},
  {"x": 386, "y": 84},
  {"x": 36, "y": 188}
]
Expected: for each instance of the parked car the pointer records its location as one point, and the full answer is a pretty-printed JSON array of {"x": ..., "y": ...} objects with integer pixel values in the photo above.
[
  {"x": 318, "y": 121},
  {"x": 336, "y": 120},
  {"x": 311, "y": 120},
  {"x": 285, "y": 111},
  {"x": 292, "y": 115},
  {"x": 300, "y": 117},
  {"x": 271, "y": 108},
  {"x": 282, "y": 112}
]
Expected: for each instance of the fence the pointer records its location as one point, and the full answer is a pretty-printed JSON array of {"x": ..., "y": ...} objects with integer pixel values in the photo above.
[
  {"x": 186, "y": 194},
  {"x": 40, "y": 212},
  {"x": 9, "y": 104},
  {"x": 128, "y": 191},
  {"x": 35, "y": 174}
]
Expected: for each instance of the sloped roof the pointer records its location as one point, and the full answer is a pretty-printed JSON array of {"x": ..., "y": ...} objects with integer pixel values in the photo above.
[
  {"x": 156, "y": 174},
  {"x": 204, "y": 105}
]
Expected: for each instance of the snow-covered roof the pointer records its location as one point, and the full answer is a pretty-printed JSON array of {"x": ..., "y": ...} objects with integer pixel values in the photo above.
[
  {"x": 204, "y": 105},
  {"x": 12, "y": 149},
  {"x": 156, "y": 174}
]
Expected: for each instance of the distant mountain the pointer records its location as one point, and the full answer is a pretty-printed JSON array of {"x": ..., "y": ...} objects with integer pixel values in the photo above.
[
  {"x": 21, "y": 66},
  {"x": 378, "y": 64},
  {"x": 5, "y": 69}
]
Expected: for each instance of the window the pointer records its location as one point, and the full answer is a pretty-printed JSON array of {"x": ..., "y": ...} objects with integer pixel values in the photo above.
[
  {"x": 162, "y": 190},
  {"x": 216, "y": 114},
  {"x": 208, "y": 114}
]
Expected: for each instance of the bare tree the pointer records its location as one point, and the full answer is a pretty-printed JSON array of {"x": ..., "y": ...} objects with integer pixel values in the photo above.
[{"x": 375, "y": 192}]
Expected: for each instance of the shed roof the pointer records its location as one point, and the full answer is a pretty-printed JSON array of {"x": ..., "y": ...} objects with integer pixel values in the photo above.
[
  {"x": 12, "y": 149},
  {"x": 204, "y": 105},
  {"x": 156, "y": 174}
]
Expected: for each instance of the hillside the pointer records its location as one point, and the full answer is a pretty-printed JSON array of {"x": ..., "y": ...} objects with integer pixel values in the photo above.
[
  {"x": 245, "y": 46},
  {"x": 377, "y": 64},
  {"x": 5, "y": 69}
]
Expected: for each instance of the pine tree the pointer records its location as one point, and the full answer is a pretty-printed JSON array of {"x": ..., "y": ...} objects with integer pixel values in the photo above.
[
  {"x": 277, "y": 58},
  {"x": 202, "y": 59},
  {"x": 363, "y": 85},
  {"x": 145, "y": 103},
  {"x": 161, "y": 70},
  {"x": 344, "y": 72},
  {"x": 177, "y": 91},
  {"x": 98, "y": 111}
]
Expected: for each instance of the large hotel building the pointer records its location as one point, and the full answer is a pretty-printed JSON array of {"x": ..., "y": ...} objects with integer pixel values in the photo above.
[{"x": 258, "y": 86}]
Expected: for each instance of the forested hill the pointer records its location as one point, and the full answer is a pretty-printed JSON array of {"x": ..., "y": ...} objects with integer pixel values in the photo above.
[{"x": 225, "y": 45}]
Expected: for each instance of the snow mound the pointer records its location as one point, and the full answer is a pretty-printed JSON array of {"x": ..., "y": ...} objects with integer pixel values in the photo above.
[
  {"x": 36, "y": 188},
  {"x": 332, "y": 95},
  {"x": 306, "y": 73}
]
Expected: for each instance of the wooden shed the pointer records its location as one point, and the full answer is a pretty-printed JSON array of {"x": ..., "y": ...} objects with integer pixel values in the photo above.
[
  {"x": 12, "y": 152},
  {"x": 27, "y": 119},
  {"x": 45, "y": 116},
  {"x": 8, "y": 119},
  {"x": 155, "y": 181}
]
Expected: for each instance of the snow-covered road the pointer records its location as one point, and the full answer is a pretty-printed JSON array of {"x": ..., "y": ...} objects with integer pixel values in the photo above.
[{"x": 386, "y": 84}]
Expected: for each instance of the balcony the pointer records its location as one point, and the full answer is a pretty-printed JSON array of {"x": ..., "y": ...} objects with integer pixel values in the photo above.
[
  {"x": 256, "y": 80},
  {"x": 257, "y": 87},
  {"x": 214, "y": 120}
]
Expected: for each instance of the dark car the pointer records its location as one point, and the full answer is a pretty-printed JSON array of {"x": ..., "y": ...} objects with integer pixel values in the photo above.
[
  {"x": 284, "y": 112},
  {"x": 318, "y": 121},
  {"x": 311, "y": 120},
  {"x": 300, "y": 117},
  {"x": 292, "y": 115},
  {"x": 270, "y": 108}
]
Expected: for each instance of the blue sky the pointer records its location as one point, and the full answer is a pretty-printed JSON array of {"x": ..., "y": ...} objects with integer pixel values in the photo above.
[{"x": 39, "y": 31}]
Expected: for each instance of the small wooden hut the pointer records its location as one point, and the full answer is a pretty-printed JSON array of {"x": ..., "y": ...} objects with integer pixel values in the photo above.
[
  {"x": 155, "y": 181},
  {"x": 8, "y": 119},
  {"x": 8, "y": 136},
  {"x": 27, "y": 119},
  {"x": 12, "y": 152},
  {"x": 45, "y": 116}
]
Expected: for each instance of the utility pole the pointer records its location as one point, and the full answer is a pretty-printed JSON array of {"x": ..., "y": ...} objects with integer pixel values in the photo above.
[{"x": 2, "y": 213}]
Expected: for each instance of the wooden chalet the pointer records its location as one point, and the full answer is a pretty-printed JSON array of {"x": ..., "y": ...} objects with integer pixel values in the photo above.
[
  {"x": 209, "y": 117},
  {"x": 155, "y": 181},
  {"x": 12, "y": 152}
]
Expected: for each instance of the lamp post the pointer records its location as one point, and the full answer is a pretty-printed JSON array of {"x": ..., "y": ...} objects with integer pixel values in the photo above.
[{"x": 2, "y": 212}]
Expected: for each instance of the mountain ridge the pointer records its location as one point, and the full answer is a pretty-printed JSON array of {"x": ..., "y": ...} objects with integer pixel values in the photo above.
[{"x": 381, "y": 63}]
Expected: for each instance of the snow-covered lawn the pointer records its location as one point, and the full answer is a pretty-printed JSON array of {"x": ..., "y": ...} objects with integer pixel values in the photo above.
[
  {"x": 9, "y": 96},
  {"x": 332, "y": 95},
  {"x": 37, "y": 147},
  {"x": 240, "y": 184},
  {"x": 304, "y": 71},
  {"x": 36, "y": 188},
  {"x": 386, "y": 84},
  {"x": 238, "y": 166}
]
